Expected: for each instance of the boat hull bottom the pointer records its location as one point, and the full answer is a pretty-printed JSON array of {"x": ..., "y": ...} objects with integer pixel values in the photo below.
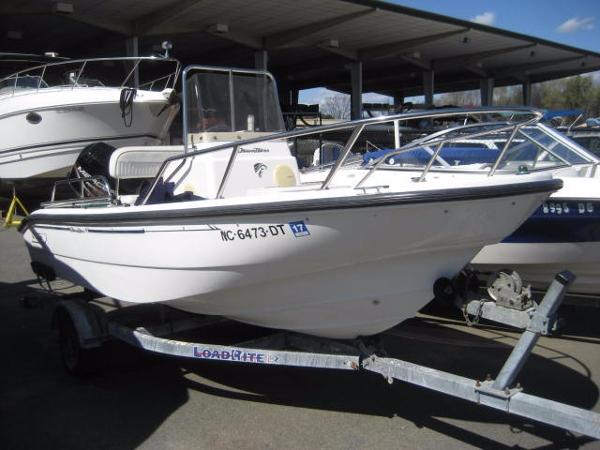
[{"x": 312, "y": 303}]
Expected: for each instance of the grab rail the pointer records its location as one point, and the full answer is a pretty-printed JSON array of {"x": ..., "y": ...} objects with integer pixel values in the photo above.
[
  {"x": 357, "y": 126},
  {"x": 97, "y": 179}
]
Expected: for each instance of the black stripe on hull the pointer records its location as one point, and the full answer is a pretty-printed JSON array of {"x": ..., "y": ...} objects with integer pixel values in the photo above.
[{"x": 91, "y": 140}]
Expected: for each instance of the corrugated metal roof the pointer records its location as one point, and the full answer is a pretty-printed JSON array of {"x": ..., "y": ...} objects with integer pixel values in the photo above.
[{"x": 309, "y": 42}]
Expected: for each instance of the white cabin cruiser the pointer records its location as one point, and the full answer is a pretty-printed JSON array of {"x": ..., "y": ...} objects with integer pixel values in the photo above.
[
  {"x": 50, "y": 112},
  {"x": 235, "y": 230}
]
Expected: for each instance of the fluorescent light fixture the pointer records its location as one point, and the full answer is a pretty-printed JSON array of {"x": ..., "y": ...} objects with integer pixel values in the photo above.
[
  {"x": 220, "y": 28},
  {"x": 63, "y": 8}
]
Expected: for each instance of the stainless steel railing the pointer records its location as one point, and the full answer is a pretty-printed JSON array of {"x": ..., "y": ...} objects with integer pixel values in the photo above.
[
  {"x": 79, "y": 67},
  {"x": 439, "y": 141},
  {"x": 531, "y": 116},
  {"x": 94, "y": 189}
]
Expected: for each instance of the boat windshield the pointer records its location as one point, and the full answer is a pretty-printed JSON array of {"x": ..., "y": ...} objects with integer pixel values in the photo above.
[
  {"x": 535, "y": 147},
  {"x": 232, "y": 101}
]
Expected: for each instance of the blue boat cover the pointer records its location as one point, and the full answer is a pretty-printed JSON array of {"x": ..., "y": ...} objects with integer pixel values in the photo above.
[
  {"x": 452, "y": 155},
  {"x": 562, "y": 113}
]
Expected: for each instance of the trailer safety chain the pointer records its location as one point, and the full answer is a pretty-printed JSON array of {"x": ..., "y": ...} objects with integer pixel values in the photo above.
[{"x": 476, "y": 317}]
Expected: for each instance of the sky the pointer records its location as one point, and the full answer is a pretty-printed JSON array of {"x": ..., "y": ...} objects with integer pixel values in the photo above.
[{"x": 569, "y": 22}]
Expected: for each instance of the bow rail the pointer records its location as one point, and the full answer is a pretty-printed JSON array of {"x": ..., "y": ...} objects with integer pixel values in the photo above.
[{"x": 37, "y": 77}]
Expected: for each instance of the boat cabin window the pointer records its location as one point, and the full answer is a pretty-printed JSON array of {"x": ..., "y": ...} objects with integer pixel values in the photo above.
[{"x": 232, "y": 102}]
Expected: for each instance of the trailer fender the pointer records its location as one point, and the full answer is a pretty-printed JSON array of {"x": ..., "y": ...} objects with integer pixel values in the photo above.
[{"x": 89, "y": 321}]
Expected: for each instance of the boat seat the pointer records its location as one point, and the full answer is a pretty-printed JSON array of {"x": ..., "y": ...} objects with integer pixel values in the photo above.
[
  {"x": 140, "y": 161},
  {"x": 284, "y": 176}
]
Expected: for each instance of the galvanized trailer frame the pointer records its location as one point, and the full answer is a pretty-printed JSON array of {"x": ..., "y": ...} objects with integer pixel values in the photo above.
[{"x": 88, "y": 326}]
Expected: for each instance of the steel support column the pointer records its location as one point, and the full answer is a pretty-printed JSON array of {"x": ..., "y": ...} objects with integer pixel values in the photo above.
[
  {"x": 428, "y": 87},
  {"x": 526, "y": 93},
  {"x": 356, "y": 95},
  {"x": 261, "y": 60},
  {"x": 486, "y": 89},
  {"x": 284, "y": 92},
  {"x": 398, "y": 99},
  {"x": 132, "y": 49}
]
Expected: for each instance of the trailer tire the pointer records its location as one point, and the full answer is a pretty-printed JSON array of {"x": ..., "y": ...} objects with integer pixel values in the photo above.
[
  {"x": 76, "y": 360},
  {"x": 444, "y": 291}
]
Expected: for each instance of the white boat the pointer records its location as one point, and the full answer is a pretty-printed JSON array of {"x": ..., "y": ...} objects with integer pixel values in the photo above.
[
  {"x": 564, "y": 232},
  {"x": 235, "y": 230},
  {"x": 49, "y": 113}
]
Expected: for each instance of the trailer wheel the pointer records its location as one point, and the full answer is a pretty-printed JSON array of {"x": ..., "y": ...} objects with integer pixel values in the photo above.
[
  {"x": 76, "y": 359},
  {"x": 444, "y": 291}
]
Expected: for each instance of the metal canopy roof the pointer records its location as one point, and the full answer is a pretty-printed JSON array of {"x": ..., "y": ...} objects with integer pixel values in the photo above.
[{"x": 309, "y": 42}]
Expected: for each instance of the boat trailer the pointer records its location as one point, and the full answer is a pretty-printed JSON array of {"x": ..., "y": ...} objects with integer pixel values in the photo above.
[{"x": 84, "y": 327}]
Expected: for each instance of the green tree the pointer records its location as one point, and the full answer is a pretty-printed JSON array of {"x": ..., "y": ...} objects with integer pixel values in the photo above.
[
  {"x": 594, "y": 102},
  {"x": 577, "y": 92}
]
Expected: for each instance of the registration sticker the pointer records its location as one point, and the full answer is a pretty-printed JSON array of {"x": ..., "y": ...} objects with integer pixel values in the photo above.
[{"x": 299, "y": 228}]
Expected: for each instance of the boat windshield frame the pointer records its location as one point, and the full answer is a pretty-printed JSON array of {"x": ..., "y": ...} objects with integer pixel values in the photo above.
[
  {"x": 230, "y": 72},
  {"x": 586, "y": 156}
]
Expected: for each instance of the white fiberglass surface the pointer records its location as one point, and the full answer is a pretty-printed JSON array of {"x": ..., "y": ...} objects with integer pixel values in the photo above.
[
  {"x": 237, "y": 266},
  {"x": 384, "y": 182}
]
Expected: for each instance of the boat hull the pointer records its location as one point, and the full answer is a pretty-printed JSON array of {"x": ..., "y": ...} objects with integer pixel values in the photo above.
[
  {"x": 563, "y": 234},
  {"x": 538, "y": 263},
  {"x": 338, "y": 273},
  {"x": 44, "y": 132}
]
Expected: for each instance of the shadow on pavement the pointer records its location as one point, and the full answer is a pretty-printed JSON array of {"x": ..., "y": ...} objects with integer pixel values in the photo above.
[
  {"x": 41, "y": 406},
  {"x": 126, "y": 402},
  {"x": 367, "y": 393}
]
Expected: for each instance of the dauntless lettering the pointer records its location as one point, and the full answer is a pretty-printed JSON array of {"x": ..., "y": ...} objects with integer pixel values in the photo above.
[{"x": 253, "y": 150}]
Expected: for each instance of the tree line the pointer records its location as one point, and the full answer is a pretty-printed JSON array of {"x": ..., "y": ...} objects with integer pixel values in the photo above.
[{"x": 578, "y": 92}]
